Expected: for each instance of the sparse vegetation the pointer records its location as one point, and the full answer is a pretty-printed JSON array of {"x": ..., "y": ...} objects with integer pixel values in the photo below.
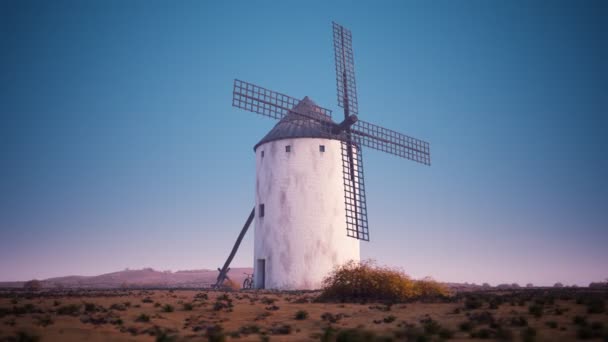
[
  {"x": 528, "y": 334},
  {"x": 472, "y": 303},
  {"x": 551, "y": 324},
  {"x": 536, "y": 310},
  {"x": 32, "y": 285},
  {"x": 231, "y": 285},
  {"x": 118, "y": 306},
  {"x": 216, "y": 334},
  {"x": 466, "y": 326},
  {"x": 596, "y": 306},
  {"x": 90, "y": 307},
  {"x": 44, "y": 320},
  {"x": 24, "y": 336},
  {"x": 142, "y": 318},
  {"x": 579, "y": 320},
  {"x": 168, "y": 308},
  {"x": 250, "y": 329},
  {"x": 301, "y": 315},
  {"x": 281, "y": 329},
  {"x": 494, "y": 314},
  {"x": 70, "y": 309},
  {"x": 389, "y": 319}
]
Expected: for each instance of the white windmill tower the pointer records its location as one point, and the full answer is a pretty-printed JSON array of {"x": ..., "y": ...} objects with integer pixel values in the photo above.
[{"x": 309, "y": 180}]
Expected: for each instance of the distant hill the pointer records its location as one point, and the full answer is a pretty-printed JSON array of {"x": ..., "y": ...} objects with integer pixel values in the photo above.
[{"x": 146, "y": 277}]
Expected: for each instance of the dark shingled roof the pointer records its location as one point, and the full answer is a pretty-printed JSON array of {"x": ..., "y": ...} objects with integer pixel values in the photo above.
[{"x": 293, "y": 125}]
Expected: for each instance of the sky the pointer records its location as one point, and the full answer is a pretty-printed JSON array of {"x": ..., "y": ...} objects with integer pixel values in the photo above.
[{"x": 120, "y": 148}]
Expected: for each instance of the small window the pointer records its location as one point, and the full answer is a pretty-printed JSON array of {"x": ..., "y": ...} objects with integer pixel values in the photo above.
[
  {"x": 321, "y": 148},
  {"x": 262, "y": 154},
  {"x": 261, "y": 214},
  {"x": 288, "y": 148}
]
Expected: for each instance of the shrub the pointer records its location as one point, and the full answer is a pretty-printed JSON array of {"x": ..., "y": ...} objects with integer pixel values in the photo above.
[
  {"x": 535, "y": 310},
  {"x": 32, "y": 285},
  {"x": 579, "y": 320},
  {"x": 45, "y": 320},
  {"x": 201, "y": 296},
  {"x": 90, "y": 307},
  {"x": 168, "y": 308},
  {"x": 504, "y": 334},
  {"x": 301, "y": 315},
  {"x": 220, "y": 305},
  {"x": 592, "y": 331},
  {"x": 188, "y": 307},
  {"x": 118, "y": 306},
  {"x": 528, "y": 334},
  {"x": 249, "y": 329},
  {"x": 483, "y": 317},
  {"x": 5, "y": 312},
  {"x": 389, "y": 319},
  {"x": 482, "y": 333},
  {"x": 216, "y": 334},
  {"x": 355, "y": 335},
  {"x": 520, "y": 321},
  {"x": 331, "y": 318},
  {"x": 472, "y": 303},
  {"x": 466, "y": 326},
  {"x": 231, "y": 285},
  {"x": 429, "y": 288},
  {"x": 597, "y": 326},
  {"x": 446, "y": 334},
  {"x": 142, "y": 318},
  {"x": 22, "y": 310},
  {"x": 24, "y": 336},
  {"x": 164, "y": 336},
  {"x": 267, "y": 300},
  {"x": 552, "y": 324},
  {"x": 584, "y": 333},
  {"x": 430, "y": 326},
  {"x": 70, "y": 309},
  {"x": 411, "y": 333},
  {"x": 365, "y": 281},
  {"x": 283, "y": 329},
  {"x": 596, "y": 305}
]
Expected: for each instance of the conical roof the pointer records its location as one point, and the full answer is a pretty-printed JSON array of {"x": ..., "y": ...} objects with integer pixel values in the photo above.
[{"x": 292, "y": 125}]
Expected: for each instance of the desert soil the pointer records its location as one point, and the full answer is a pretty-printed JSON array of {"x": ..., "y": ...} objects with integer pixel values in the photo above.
[{"x": 167, "y": 315}]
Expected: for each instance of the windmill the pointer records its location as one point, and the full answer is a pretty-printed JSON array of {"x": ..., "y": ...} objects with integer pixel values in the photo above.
[{"x": 309, "y": 179}]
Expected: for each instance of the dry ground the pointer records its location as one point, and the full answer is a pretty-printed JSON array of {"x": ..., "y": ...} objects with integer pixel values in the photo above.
[{"x": 146, "y": 315}]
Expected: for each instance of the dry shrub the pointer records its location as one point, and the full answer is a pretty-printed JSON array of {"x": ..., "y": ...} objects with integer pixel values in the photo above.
[
  {"x": 429, "y": 288},
  {"x": 362, "y": 281},
  {"x": 231, "y": 285},
  {"x": 32, "y": 285}
]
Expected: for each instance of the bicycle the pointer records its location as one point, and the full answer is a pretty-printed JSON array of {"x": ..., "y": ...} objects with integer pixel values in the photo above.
[{"x": 248, "y": 282}]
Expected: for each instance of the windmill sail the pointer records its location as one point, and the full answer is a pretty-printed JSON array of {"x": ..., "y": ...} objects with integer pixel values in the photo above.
[{"x": 354, "y": 191}]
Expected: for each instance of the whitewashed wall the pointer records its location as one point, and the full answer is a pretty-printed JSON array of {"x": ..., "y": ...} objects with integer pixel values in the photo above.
[{"x": 302, "y": 235}]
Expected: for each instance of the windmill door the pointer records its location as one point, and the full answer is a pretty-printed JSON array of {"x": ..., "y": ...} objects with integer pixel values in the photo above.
[{"x": 260, "y": 277}]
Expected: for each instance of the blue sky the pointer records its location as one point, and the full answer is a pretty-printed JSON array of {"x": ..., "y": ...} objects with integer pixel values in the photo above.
[{"x": 120, "y": 147}]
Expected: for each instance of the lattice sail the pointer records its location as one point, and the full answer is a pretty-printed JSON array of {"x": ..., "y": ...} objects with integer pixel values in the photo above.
[
  {"x": 266, "y": 102},
  {"x": 354, "y": 191},
  {"x": 345, "y": 69},
  {"x": 386, "y": 140}
]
